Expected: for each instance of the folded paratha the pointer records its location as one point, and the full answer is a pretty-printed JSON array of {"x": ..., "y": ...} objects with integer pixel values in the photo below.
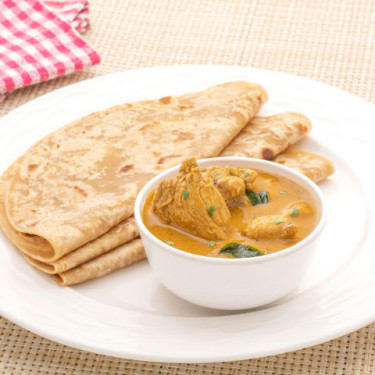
[
  {"x": 313, "y": 166},
  {"x": 119, "y": 257},
  {"x": 121, "y": 233},
  {"x": 266, "y": 137},
  {"x": 80, "y": 181}
]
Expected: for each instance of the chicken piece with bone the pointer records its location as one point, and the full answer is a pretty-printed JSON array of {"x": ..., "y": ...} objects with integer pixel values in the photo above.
[{"x": 192, "y": 202}]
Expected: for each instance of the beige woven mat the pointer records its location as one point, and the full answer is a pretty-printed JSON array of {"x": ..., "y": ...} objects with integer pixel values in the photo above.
[{"x": 332, "y": 41}]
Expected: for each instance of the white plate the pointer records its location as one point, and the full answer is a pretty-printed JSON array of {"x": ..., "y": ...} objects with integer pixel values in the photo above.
[{"x": 129, "y": 314}]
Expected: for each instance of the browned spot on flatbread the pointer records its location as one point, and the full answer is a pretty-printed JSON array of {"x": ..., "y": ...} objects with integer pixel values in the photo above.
[
  {"x": 28, "y": 235},
  {"x": 302, "y": 129},
  {"x": 34, "y": 223},
  {"x": 32, "y": 167},
  {"x": 185, "y": 106},
  {"x": 281, "y": 161},
  {"x": 267, "y": 154},
  {"x": 182, "y": 135},
  {"x": 151, "y": 125},
  {"x": 165, "y": 99},
  {"x": 126, "y": 168},
  {"x": 81, "y": 191},
  {"x": 164, "y": 158}
]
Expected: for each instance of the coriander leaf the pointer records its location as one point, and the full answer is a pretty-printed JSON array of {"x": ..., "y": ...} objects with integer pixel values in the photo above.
[
  {"x": 246, "y": 174},
  {"x": 294, "y": 212},
  {"x": 283, "y": 192},
  {"x": 253, "y": 197},
  {"x": 211, "y": 210},
  {"x": 238, "y": 250},
  {"x": 278, "y": 221},
  {"x": 258, "y": 198},
  {"x": 211, "y": 243},
  {"x": 169, "y": 242},
  {"x": 185, "y": 194}
]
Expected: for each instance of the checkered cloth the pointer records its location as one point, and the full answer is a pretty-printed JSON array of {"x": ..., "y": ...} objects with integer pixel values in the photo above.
[
  {"x": 39, "y": 41},
  {"x": 75, "y": 12}
]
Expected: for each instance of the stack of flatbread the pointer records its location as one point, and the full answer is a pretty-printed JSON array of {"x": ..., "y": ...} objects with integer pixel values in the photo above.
[{"x": 67, "y": 203}]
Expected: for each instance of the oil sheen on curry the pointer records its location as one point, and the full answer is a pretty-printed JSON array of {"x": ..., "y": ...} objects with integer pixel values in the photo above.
[{"x": 229, "y": 211}]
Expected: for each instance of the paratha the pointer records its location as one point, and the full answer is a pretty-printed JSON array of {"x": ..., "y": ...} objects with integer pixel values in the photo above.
[
  {"x": 266, "y": 137},
  {"x": 80, "y": 181},
  {"x": 118, "y": 235},
  {"x": 119, "y": 257},
  {"x": 313, "y": 166}
]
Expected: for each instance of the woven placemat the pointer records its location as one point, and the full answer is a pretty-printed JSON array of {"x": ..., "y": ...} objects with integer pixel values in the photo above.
[{"x": 331, "y": 41}]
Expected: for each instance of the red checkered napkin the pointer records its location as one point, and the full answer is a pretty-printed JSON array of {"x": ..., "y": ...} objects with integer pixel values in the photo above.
[
  {"x": 38, "y": 41},
  {"x": 75, "y": 12}
]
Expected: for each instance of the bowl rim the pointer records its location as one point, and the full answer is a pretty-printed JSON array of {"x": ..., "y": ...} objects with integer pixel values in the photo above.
[{"x": 233, "y": 261}]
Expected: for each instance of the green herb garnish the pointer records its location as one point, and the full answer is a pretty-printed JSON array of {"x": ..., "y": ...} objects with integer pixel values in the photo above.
[
  {"x": 211, "y": 210},
  {"x": 170, "y": 243},
  {"x": 238, "y": 250},
  {"x": 258, "y": 198},
  {"x": 265, "y": 252},
  {"x": 185, "y": 194},
  {"x": 283, "y": 192},
  {"x": 294, "y": 212},
  {"x": 278, "y": 221},
  {"x": 211, "y": 243},
  {"x": 246, "y": 174}
]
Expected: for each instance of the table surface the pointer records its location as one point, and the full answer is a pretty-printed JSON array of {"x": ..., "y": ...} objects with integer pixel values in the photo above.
[{"x": 331, "y": 41}]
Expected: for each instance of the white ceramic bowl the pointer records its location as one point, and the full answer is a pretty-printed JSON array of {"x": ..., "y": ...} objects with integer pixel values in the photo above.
[{"x": 230, "y": 284}]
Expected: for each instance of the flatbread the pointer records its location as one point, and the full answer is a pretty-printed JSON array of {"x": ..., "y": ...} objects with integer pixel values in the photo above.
[
  {"x": 313, "y": 166},
  {"x": 270, "y": 137},
  {"x": 118, "y": 235},
  {"x": 120, "y": 257},
  {"x": 80, "y": 181},
  {"x": 265, "y": 137}
]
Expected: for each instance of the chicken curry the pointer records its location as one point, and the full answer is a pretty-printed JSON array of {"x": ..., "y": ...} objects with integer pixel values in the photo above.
[{"x": 229, "y": 211}]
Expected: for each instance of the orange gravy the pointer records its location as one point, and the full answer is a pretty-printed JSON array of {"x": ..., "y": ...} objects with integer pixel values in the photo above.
[{"x": 285, "y": 195}]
